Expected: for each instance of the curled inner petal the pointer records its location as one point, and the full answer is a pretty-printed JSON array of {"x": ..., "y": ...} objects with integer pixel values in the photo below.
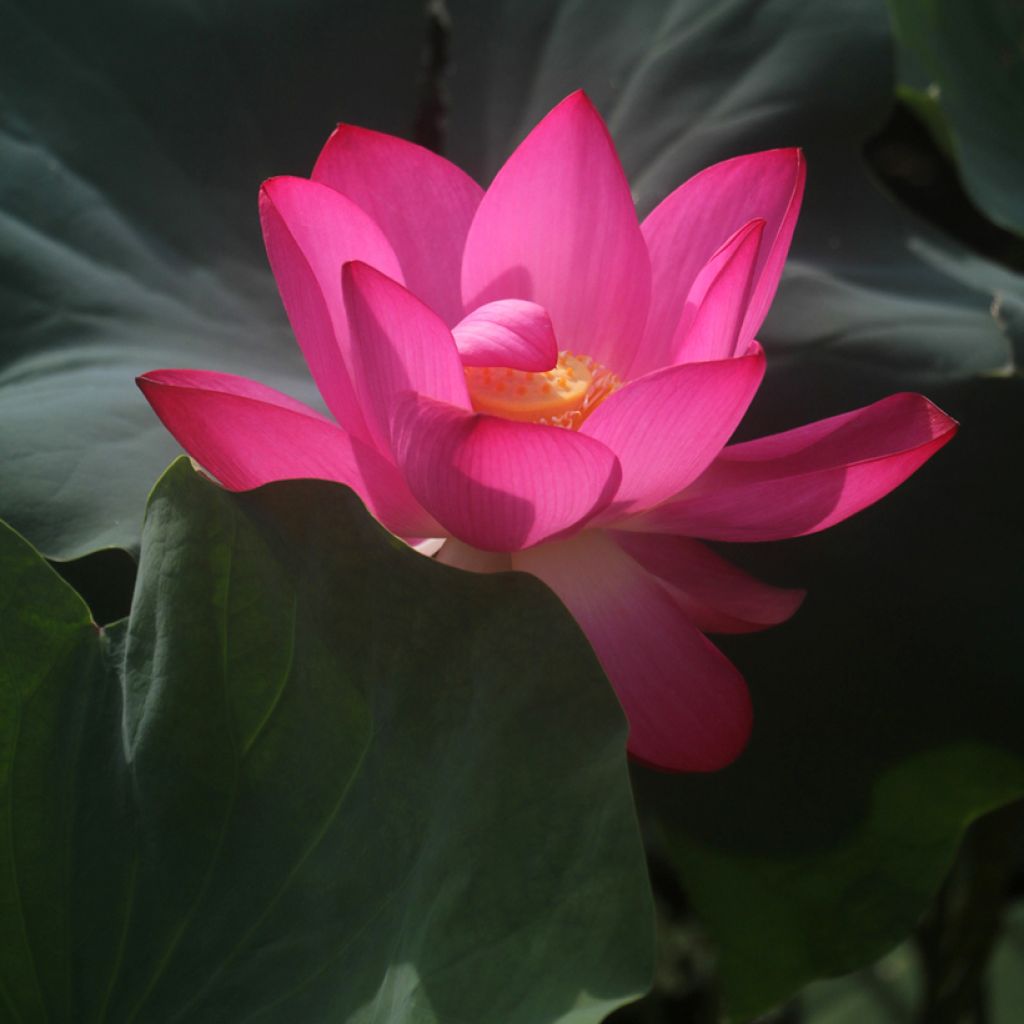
[{"x": 563, "y": 396}]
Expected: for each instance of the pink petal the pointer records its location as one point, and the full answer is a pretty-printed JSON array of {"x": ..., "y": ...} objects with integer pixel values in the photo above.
[
  {"x": 687, "y": 706},
  {"x": 310, "y": 231},
  {"x": 716, "y": 596},
  {"x": 712, "y": 321},
  {"x": 397, "y": 344},
  {"x": 685, "y": 230},
  {"x": 667, "y": 427},
  {"x": 423, "y": 203},
  {"x": 558, "y": 227},
  {"x": 807, "y": 479},
  {"x": 246, "y": 435},
  {"x": 498, "y": 484},
  {"x": 511, "y": 333}
]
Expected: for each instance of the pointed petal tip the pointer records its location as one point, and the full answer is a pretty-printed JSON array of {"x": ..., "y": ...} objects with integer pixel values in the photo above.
[
  {"x": 577, "y": 96},
  {"x": 685, "y": 231},
  {"x": 273, "y": 184},
  {"x": 941, "y": 422},
  {"x": 360, "y": 276},
  {"x": 154, "y": 378},
  {"x": 359, "y": 279},
  {"x": 558, "y": 226},
  {"x": 711, "y": 325},
  {"x": 344, "y": 137},
  {"x": 358, "y": 270},
  {"x": 422, "y": 202},
  {"x": 715, "y": 595},
  {"x": 343, "y": 131},
  {"x": 745, "y": 236},
  {"x": 271, "y": 189},
  {"x": 340, "y": 129},
  {"x": 756, "y": 224},
  {"x": 795, "y": 154},
  {"x": 781, "y": 158},
  {"x": 807, "y": 479},
  {"x": 576, "y": 104},
  {"x": 273, "y": 195}
]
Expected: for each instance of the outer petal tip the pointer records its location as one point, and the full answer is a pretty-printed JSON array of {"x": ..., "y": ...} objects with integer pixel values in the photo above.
[
  {"x": 715, "y": 595},
  {"x": 942, "y": 424},
  {"x": 579, "y": 98},
  {"x": 356, "y": 272},
  {"x": 245, "y": 434},
  {"x": 684, "y": 231},
  {"x": 421, "y": 202},
  {"x": 271, "y": 186},
  {"x": 805, "y": 480},
  {"x": 558, "y": 227}
]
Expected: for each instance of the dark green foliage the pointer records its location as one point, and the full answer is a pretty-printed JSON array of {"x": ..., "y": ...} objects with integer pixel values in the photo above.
[{"x": 314, "y": 777}]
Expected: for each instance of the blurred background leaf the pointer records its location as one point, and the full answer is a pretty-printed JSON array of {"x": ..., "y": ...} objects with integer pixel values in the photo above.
[
  {"x": 133, "y": 139},
  {"x": 684, "y": 84},
  {"x": 962, "y": 66},
  {"x": 898, "y": 990},
  {"x": 307, "y": 780}
]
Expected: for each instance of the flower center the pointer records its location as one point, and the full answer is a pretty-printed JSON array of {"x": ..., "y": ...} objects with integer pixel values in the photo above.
[{"x": 563, "y": 396}]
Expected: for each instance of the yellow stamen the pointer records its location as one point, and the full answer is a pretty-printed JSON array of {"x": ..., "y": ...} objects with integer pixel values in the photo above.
[{"x": 561, "y": 397}]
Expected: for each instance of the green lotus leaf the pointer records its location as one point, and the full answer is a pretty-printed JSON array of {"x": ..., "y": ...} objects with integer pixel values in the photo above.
[{"x": 314, "y": 777}]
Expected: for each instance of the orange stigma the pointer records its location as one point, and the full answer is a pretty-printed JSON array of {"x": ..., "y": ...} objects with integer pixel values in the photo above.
[{"x": 563, "y": 396}]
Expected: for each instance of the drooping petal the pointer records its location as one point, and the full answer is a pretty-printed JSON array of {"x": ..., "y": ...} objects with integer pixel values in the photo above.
[
  {"x": 558, "y": 226},
  {"x": 807, "y": 479},
  {"x": 310, "y": 231},
  {"x": 667, "y": 427},
  {"x": 498, "y": 484},
  {"x": 423, "y": 203},
  {"x": 512, "y": 333},
  {"x": 687, "y": 706},
  {"x": 397, "y": 344},
  {"x": 712, "y": 322},
  {"x": 717, "y": 596},
  {"x": 685, "y": 230},
  {"x": 246, "y": 435}
]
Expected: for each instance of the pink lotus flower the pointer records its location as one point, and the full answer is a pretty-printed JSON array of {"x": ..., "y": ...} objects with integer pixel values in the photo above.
[{"x": 549, "y": 386}]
